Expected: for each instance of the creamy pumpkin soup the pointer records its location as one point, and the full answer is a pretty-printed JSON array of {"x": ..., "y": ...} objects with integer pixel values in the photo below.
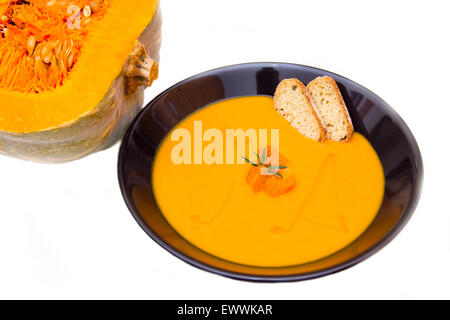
[{"x": 314, "y": 200}]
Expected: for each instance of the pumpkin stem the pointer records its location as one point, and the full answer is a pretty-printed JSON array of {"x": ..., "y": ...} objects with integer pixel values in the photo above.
[{"x": 141, "y": 70}]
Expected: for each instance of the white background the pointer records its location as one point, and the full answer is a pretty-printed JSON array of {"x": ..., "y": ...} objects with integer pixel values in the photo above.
[{"x": 65, "y": 231}]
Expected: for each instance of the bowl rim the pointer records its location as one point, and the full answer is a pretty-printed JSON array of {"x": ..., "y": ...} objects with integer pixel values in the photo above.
[{"x": 417, "y": 190}]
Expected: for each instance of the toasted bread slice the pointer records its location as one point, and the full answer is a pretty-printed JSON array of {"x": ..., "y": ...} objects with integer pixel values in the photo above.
[
  {"x": 328, "y": 99},
  {"x": 293, "y": 103}
]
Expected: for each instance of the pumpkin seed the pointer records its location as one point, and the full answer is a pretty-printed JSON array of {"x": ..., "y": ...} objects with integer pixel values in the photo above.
[
  {"x": 87, "y": 11},
  {"x": 31, "y": 44},
  {"x": 70, "y": 61},
  {"x": 44, "y": 51}
]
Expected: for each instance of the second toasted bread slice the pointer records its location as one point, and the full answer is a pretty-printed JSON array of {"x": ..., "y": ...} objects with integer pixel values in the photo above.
[
  {"x": 328, "y": 99},
  {"x": 291, "y": 100}
]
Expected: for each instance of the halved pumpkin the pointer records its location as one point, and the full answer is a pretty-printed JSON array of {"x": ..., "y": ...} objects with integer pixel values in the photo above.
[{"x": 72, "y": 73}]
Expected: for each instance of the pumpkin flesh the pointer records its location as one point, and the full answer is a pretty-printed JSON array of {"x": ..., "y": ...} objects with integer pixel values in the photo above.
[{"x": 36, "y": 99}]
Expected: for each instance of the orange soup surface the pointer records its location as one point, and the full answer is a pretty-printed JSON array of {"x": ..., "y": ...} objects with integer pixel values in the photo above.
[{"x": 321, "y": 198}]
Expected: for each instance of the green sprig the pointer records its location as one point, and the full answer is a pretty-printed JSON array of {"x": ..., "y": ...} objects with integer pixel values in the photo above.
[
  {"x": 250, "y": 162},
  {"x": 262, "y": 160}
]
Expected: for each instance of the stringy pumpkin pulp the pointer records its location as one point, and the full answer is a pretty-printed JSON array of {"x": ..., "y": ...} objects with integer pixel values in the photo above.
[{"x": 42, "y": 39}]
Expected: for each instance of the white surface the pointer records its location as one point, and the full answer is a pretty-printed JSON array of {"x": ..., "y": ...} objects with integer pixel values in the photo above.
[{"x": 65, "y": 231}]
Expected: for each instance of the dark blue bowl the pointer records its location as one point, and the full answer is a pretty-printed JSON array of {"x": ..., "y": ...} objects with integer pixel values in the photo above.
[{"x": 372, "y": 117}]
